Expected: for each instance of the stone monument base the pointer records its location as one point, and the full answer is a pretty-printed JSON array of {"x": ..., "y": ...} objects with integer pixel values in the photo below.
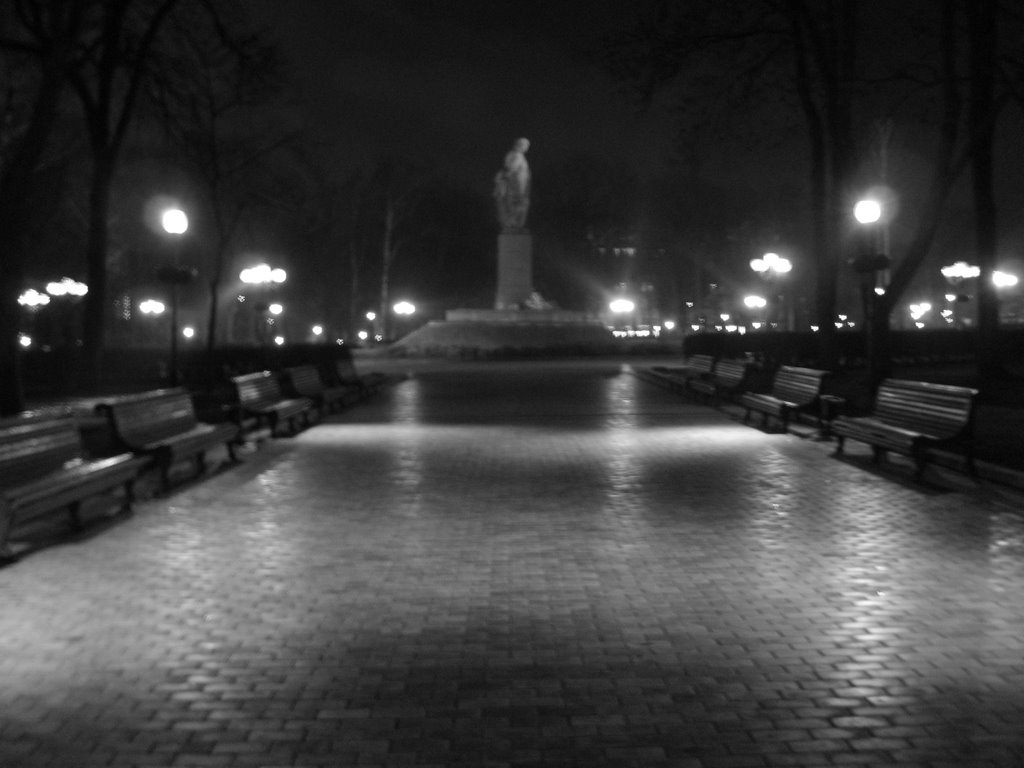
[
  {"x": 515, "y": 269},
  {"x": 484, "y": 333}
]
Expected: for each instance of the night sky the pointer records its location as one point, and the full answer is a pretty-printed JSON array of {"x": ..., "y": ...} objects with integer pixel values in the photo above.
[{"x": 451, "y": 84}]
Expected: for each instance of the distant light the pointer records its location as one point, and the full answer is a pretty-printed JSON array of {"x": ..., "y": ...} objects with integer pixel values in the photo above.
[
  {"x": 1003, "y": 279},
  {"x": 919, "y": 325},
  {"x": 755, "y": 302},
  {"x": 621, "y": 306},
  {"x": 174, "y": 221},
  {"x": 262, "y": 273},
  {"x": 404, "y": 308},
  {"x": 725, "y": 316},
  {"x": 669, "y": 325},
  {"x": 363, "y": 335},
  {"x": 188, "y": 332},
  {"x": 730, "y": 329},
  {"x": 33, "y": 298},
  {"x": 378, "y": 337},
  {"x": 371, "y": 316},
  {"x": 695, "y": 327},
  {"x": 960, "y": 270},
  {"x": 151, "y": 307},
  {"x": 25, "y": 340},
  {"x": 66, "y": 286},
  {"x": 275, "y": 309},
  {"x": 771, "y": 261},
  {"x": 318, "y": 330},
  {"x": 842, "y": 317},
  {"x": 279, "y": 340},
  {"x": 755, "y": 325},
  {"x": 950, "y": 297},
  {"x": 879, "y": 290},
  {"x": 946, "y": 313},
  {"x": 814, "y": 328},
  {"x": 867, "y": 211}
]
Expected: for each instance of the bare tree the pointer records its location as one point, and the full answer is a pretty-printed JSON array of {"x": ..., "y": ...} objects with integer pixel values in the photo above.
[
  {"x": 116, "y": 57},
  {"x": 771, "y": 54},
  {"x": 396, "y": 187},
  {"x": 218, "y": 82},
  {"x": 37, "y": 39}
]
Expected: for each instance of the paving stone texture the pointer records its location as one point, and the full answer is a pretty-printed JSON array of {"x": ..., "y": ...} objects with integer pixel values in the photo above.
[{"x": 533, "y": 565}]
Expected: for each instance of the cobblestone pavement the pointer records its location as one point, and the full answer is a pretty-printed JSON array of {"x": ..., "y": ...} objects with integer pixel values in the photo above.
[{"x": 527, "y": 566}]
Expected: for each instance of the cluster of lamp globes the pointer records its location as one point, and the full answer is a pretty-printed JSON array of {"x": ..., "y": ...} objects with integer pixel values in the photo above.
[{"x": 33, "y": 299}]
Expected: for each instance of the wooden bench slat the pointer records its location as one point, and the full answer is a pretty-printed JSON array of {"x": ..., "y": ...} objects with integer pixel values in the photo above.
[
  {"x": 259, "y": 395},
  {"x": 728, "y": 377},
  {"x": 43, "y": 469},
  {"x": 162, "y": 424},
  {"x": 306, "y": 381},
  {"x": 794, "y": 390},
  {"x": 913, "y": 417}
]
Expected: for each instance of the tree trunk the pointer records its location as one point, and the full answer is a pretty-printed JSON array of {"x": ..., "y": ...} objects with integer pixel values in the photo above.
[
  {"x": 354, "y": 313},
  {"x": 15, "y": 200},
  {"x": 94, "y": 321},
  {"x": 981, "y": 122},
  {"x": 387, "y": 257}
]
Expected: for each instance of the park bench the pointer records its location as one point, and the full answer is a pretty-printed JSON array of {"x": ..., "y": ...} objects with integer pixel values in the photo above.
[
  {"x": 260, "y": 397},
  {"x": 794, "y": 390},
  {"x": 343, "y": 373},
  {"x": 162, "y": 424},
  {"x": 305, "y": 381},
  {"x": 911, "y": 418},
  {"x": 728, "y": 378},
  {"x": 694, "y": 367},
  {"x": 43, "y": 469}
]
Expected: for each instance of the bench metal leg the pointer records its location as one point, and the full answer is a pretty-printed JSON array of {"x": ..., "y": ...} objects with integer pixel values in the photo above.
[
  {"x": 919, "y": 464},
  {"x": 972, "y": 468},
  {"x": 6, "y": 553},
  {"x": 74, "y": 509},
  {"x": 129, "y": 496}
]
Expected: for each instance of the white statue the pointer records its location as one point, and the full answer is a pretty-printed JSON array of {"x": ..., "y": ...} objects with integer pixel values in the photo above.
[{"x": 512, "y": 187}]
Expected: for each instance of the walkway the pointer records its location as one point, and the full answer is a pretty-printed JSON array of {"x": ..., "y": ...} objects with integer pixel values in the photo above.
[{"x": 539, "y": 565}]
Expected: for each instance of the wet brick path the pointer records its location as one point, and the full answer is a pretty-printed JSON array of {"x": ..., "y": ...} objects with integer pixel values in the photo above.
[{"x": 542, "y": 566}]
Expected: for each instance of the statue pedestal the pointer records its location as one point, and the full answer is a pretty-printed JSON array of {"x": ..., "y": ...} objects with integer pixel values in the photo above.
[{"x": 515, "y": 269}]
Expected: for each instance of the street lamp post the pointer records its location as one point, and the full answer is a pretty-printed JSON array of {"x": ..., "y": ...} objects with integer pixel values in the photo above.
[
  {"x": 868, "y": 264},
  {"x": 755, "y": 302},
  {"x": 151, "y": 307},
  {"x": 770, "y": 266},
  {"x": 175, "y": 223},
  {"x": 264, "y": 277},
  {"x": 404, "y": 310}
]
